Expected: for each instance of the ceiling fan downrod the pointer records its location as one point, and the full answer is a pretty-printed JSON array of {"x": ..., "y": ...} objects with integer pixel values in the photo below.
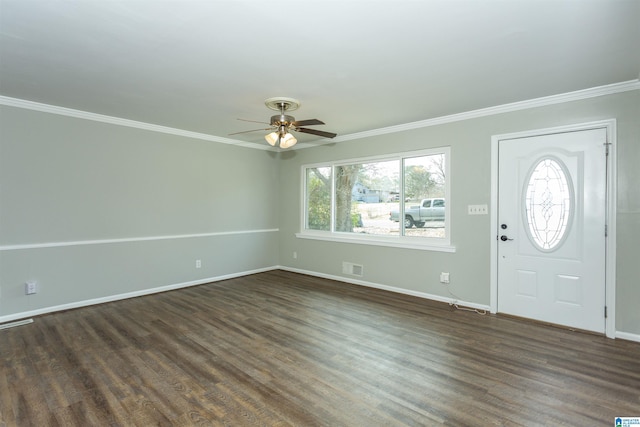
[{"x": 282, "y": 119}]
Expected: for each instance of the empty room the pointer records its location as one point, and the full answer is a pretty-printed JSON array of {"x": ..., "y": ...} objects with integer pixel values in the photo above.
[{"x": 319, "y": 213}]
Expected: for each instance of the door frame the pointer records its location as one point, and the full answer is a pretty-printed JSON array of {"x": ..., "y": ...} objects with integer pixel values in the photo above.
[{"x": 610, "y": 220}]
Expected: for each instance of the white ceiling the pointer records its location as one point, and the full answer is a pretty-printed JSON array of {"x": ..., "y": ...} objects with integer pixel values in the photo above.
[{"x": 356, "y": 65}]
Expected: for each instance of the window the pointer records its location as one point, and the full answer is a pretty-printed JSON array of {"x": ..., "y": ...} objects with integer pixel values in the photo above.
[
  {"x": 318, "y": 198},
  {"x": 397, "y": 200},
  {"x": 547, "y": 204}
]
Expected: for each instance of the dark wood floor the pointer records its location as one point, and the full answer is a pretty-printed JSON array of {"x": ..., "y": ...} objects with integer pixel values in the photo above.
[{"x": 280, "y": 348}]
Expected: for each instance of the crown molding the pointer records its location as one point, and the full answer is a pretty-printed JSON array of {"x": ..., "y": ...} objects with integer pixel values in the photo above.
[
  {"x": 483, "y": 112},
  {"x": 500, "y": 109},
  {"x": 79, "y": 114}
]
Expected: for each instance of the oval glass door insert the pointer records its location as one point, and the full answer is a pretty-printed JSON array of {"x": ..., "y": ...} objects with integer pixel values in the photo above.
[{"x": 548, "y": 203}]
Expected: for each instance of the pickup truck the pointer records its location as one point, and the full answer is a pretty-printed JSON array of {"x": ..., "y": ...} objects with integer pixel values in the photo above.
[{"x": 427, "y": 210}]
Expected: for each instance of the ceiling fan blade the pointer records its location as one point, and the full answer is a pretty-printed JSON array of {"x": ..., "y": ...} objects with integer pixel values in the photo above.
[
  {"x": 253, "y": 121},
  {"x": 247, "y": 131},
  {"x": 309, "y": 122},
  {"x": 317, "y": 132}
]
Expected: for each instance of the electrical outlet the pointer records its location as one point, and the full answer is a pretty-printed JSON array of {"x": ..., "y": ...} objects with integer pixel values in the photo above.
[
  {"x": 444, "y": 278},
  {"x": 31, "y": 287},
  {"x": 478, "y": 209},
  {"x": 295, "y": 255},
  {"x": 198, "y": 263}
]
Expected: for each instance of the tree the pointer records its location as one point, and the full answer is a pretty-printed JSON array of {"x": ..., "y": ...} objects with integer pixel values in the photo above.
[
  {"x": 418, "y": 182},
  {"x": 346, "y": 178},
  {"x": 437, "y": 169},
  {"x": 319, "y": 200},
  {"x": 319, "y": 197},
  {"x": 380, "y": 176}
]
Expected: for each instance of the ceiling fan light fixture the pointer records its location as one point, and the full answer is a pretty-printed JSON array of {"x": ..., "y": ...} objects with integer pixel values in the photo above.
[
  {"x": 283, "y": 124},
  {"x": 288, "y": 141},
  {"x": 272, "y": 138}
]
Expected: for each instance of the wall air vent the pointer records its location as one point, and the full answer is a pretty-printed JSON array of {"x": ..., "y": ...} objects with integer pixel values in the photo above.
[{"x": 352, "y": 269}]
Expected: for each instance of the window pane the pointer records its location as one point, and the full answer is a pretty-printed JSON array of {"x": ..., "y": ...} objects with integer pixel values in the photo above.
[
  {"x": 548, "y": 204},
  {"x": 318, "y": 194},
  {"x": 395, "y": 199},
  {"x": 365, "y": 193},
  {"x": 424, "y": 178}
]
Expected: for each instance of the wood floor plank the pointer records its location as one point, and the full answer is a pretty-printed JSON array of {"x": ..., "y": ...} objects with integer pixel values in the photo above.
[{"x": 284, "y": 349}]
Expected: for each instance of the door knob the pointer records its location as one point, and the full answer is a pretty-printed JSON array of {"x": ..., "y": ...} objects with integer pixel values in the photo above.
[{"x": 504, "y": 238}]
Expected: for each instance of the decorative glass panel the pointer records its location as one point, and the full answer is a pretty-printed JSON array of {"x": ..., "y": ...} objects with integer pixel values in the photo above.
[{"x": 548, "y": 203}]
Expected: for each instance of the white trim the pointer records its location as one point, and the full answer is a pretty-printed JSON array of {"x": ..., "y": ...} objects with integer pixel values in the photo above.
[
  {"x": 130, "y": 239},
  {"x": 400, "y": 241},
  {"x": 16, "y": 317},
  {"x": 117, "y": 297},
  {"x": 610, "y": 261},
  {"x": 500, "y": 109},
  {"x": 482, "y": 112},
  {"x": 69, "y": 112},
  {"x": 376, "y": 241},
  {"x": 387, "y": 288},
  {"x": 628, "y": 336},
  {"x": 14, "y": 324},
  {"x": 611, "y": 242}
]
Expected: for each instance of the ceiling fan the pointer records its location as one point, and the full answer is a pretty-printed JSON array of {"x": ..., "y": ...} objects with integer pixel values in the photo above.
[{"x": 281, "y": 124}]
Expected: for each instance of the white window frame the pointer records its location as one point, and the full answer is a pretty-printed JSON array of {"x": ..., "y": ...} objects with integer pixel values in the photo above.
[{"x": 401, "y": 241}]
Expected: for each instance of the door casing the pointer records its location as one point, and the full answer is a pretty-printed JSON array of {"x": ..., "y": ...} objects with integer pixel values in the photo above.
[{"x": 610, "y": 249}]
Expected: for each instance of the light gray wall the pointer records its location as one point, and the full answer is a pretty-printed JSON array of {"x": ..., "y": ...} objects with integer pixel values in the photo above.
[
  {"x": 470, "y": 141},
  {"x": 73, "y": 182}
]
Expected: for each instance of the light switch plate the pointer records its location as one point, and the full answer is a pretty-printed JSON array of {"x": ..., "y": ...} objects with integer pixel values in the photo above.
[{"x": 478, "y": 210}]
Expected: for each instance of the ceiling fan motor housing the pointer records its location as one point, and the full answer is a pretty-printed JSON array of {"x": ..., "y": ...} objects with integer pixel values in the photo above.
[{"x": 282, "y": 119}]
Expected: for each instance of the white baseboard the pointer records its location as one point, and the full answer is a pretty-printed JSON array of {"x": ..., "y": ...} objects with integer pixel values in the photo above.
[
  {"x": 628, "y": 336},
  {"x": 78, "y": 304},
  {"x": 389, "y": 288},
  {"x": 110, "y": 298},
  {"x": 621, "y": 335},
  {"x": 15, "y": 324},
  {"x": 150, "y": 291}
]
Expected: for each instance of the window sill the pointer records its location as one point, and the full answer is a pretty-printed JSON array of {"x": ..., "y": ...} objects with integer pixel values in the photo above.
[{"x": 378, "y": 241}]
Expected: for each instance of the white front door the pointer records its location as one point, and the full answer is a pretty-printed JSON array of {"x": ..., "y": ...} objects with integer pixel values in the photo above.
[{"x": 551, "y": 228}]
